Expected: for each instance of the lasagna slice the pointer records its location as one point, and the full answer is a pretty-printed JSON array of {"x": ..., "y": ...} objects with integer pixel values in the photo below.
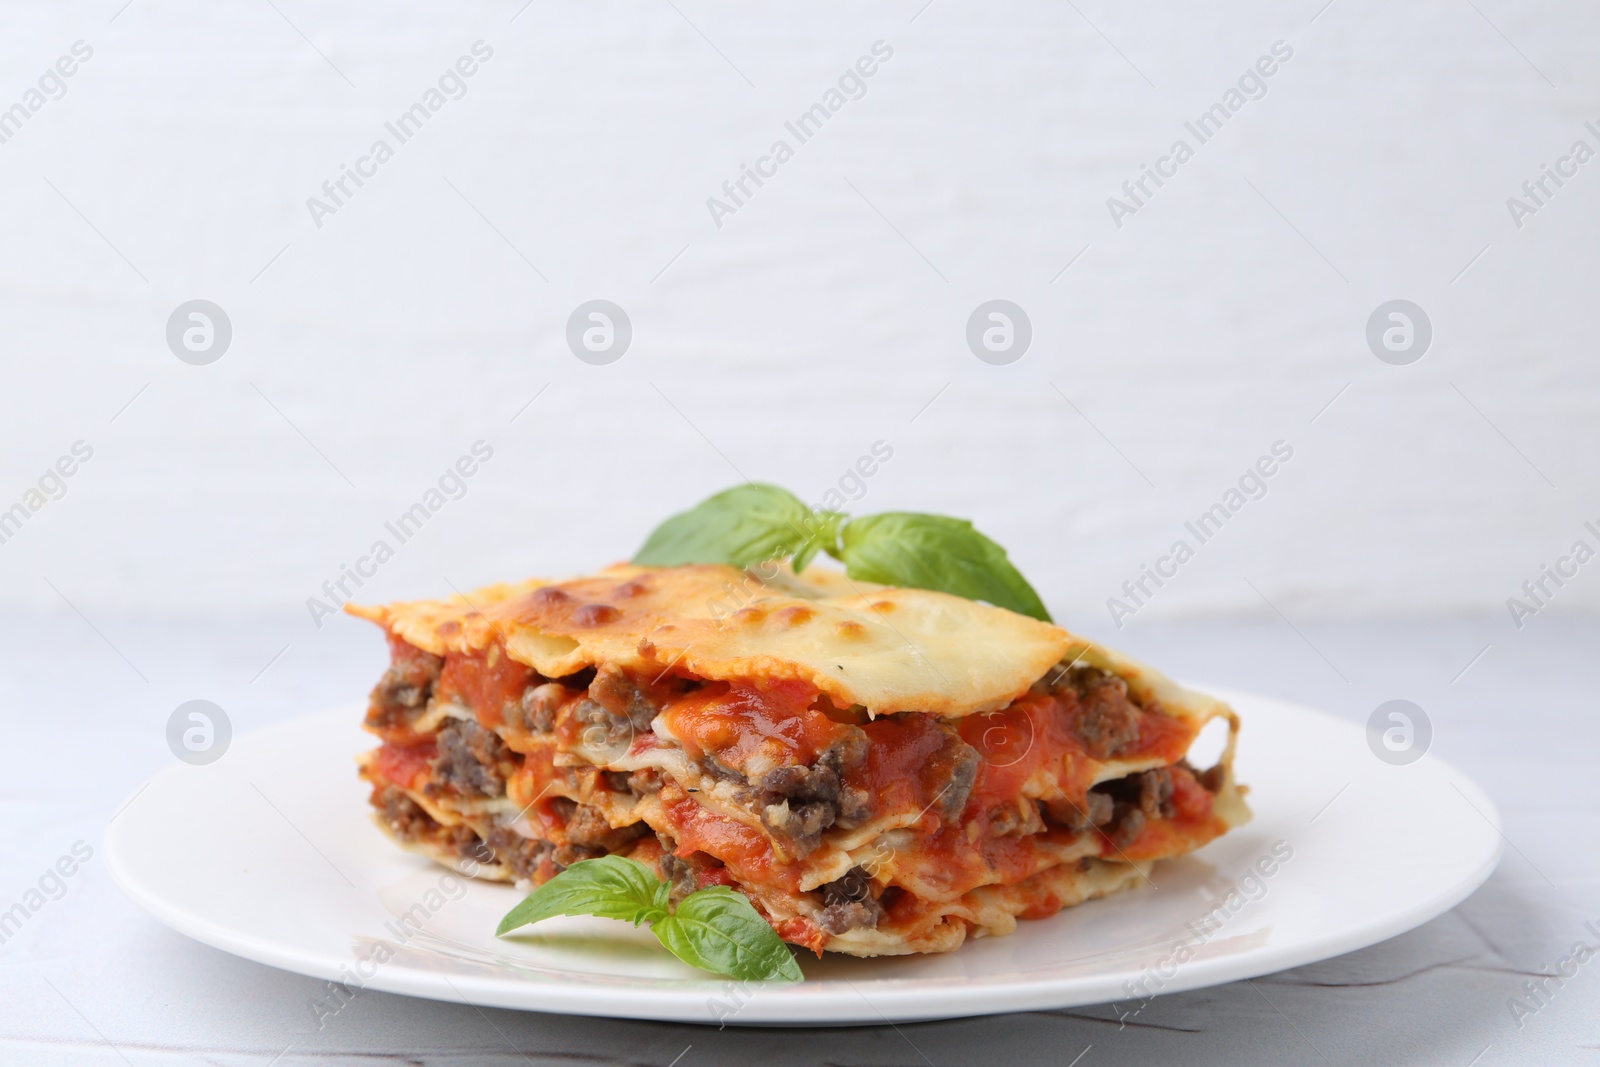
[{"x": 880, "y": 770}]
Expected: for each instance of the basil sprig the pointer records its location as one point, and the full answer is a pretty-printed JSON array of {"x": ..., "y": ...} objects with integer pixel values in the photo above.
[
  {"x": 715, "y": 928},
  {"x": 753, "y": 523}
]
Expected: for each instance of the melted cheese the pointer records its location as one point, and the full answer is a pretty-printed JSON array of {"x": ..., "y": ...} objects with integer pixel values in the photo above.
[{"x": 885, "y": 649}]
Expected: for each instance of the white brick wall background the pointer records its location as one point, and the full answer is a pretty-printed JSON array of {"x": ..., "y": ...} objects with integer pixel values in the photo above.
[{"x": 822, "y": 316}]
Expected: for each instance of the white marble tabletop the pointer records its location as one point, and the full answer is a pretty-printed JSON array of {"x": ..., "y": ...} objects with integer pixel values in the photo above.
[{"x": 89, "y": 978}]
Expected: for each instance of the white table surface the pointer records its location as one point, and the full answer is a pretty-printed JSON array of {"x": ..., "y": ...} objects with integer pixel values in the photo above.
[{"x": 92, "y": 979}]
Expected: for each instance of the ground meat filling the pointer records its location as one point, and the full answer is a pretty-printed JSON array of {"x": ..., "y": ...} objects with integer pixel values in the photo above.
[
  {"x": 1120, "y": 809},
  {"x": 685, "y": 874},
  {"x": 410, "y": 824},
  {"x": 1212, "y": 779},
  {"x": 524, "y": 856},
  {"x": 564, "y": 856},
  {"x": 535, "y": 713},
  {"x": 1096, "y": 810},
  {"x": 676, "y": 870},
  {"x": 1104, "y": 719},
  {"x": 472, "y": 761},
  {"x": 848, "y": 904},
  {"x": 602, "y": 734},
  {"x": 586, "y": 826},
  {"x": 957, "y": 763},
  {"x": 624, "y": 698},
  {"x": 644, "y": 783},
  {"x": 519, "y": 854},
  {"x": 1017, "y": 819},
  {"x": 404, "y": 690},
  {"x": 1136, "y": 800},
  {"x": 613, "y": 710},
  {"x": 799, "y": 802}
]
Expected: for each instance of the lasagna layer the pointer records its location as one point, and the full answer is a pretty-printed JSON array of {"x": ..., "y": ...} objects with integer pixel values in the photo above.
[{"x": 917, "y": 795}]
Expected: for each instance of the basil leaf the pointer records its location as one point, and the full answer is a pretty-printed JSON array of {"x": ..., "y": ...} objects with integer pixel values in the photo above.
[
  {"x": 613, "y": 887},
  {"x": 753, "y": 523},
  {"x": 824, "y": 535},
  {"x": 717, "y": 929},
  {"x": 918, "y": 551},
  {"x": 742, "y": 526}
]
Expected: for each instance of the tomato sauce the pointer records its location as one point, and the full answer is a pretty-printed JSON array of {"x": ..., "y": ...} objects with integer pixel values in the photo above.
[
  {"x": 747, "y": 852},
  {"x": 409, "y": 668},
  {"x": 1193, "y": 821},
  {"x": 1034, "y": 734},
  {"x": 534, "y": 779},
  {"x": 1029, "y": 742},
  {"x": 1163, "y": 736},
  {"x": 803, "y": 932},
  {"x": 1026, "y": 750},
  {"x": 402, "y": 652},
  {"x": 484, "y": 682},
  {"x": 774, "y": 725},
  {"x": 901, "y": 773},
  {"x": 704, "y": 876},
  {"x": 407, "y": 766}
]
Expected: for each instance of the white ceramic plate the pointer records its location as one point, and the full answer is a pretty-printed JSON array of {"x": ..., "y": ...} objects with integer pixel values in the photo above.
[{"x": 269, "y": 853}]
